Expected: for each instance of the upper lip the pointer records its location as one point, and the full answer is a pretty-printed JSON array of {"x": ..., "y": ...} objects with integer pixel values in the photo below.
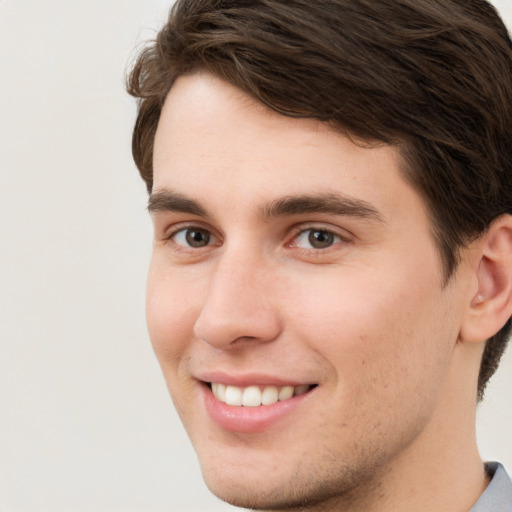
[{"x": 248, "y": 379}]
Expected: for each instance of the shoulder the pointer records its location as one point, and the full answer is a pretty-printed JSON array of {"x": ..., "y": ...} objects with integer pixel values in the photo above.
[{"x": 498, "y": 495}]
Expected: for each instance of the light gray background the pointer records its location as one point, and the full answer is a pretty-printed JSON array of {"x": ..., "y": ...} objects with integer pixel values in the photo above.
[{"x": 85, "y": 420}]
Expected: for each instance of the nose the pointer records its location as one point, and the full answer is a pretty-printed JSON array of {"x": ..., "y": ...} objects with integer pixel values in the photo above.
[{"x": 239, "y": 305}]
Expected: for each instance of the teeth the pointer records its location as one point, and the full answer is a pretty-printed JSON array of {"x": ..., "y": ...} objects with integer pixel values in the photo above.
[
  {"x": 300, "y": 390},
  {"x": 285, "y": 393},
  {"x": 233, "y": 395},
  {"x": 270, "y": 395},
  {"x": 221, "y": 391},
  {"x": 254, "y": 396},
  {"x": 251, "y": 397}
]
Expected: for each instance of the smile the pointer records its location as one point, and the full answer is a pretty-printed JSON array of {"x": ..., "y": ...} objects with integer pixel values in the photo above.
[{"x": 255, "y": 396}]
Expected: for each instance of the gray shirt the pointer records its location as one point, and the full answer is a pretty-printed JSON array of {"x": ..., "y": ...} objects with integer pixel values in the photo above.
[{"x": 498, "y": 495}]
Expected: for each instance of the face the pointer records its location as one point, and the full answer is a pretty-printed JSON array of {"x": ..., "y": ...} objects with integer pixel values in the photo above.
[{"x": 295, "y": 301}]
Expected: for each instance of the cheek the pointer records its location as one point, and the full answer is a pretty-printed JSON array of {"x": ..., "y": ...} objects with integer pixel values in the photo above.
[
  {"x": 375, "y": 331},
  {"x": 171, "y": 313}
]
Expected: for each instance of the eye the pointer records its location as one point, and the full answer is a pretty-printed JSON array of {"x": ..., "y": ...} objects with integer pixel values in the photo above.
[
  {"x": 316, "y": 239},
  {"x": 192, "y": 237}
]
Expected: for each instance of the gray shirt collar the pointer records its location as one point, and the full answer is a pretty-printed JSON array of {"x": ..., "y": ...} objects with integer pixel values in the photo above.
[{"x": 498, "y": 495}]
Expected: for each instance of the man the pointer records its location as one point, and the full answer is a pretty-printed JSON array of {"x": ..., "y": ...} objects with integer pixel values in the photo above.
[{"x": 330, "y": 287}]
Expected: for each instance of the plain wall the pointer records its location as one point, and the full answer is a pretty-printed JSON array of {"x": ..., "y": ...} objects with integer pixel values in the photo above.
[{"x": 85, "y": 420}]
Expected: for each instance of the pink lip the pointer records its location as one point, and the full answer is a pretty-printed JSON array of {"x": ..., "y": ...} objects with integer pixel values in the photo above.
[
  {"x": 248, "y": 420},
  {"x": 247, "y": 379}
]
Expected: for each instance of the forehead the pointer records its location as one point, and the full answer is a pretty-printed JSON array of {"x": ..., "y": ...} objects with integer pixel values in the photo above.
[
  {"x": 213, "y": 116},
  {"x": 216, "y": 144}
]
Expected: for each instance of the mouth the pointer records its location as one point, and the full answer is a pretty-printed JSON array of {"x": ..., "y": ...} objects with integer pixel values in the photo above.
[
  {"x": 256, "y": 396},
  {"x": 255, "y": 404}
]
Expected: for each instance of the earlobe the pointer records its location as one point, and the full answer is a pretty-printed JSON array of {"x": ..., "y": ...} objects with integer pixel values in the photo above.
[{"x": 491, "y": 305}]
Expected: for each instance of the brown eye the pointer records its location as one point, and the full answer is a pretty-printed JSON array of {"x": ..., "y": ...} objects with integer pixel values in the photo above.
[
  {"x": 316, "y": 239},
  {"x": 320, "y": 239},
  {"x": 197, "y": 237},
  {"x": 192, "y": 237}
]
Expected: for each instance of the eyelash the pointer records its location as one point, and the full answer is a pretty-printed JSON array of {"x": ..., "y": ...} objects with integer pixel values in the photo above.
[
  {"x": 336, "y": 238},
  {"x": 171, "y": 237},
  {"x": 298, "y": 232}
]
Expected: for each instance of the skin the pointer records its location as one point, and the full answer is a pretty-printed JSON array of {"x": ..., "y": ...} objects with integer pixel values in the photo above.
[{"x": 367, "y": 318}]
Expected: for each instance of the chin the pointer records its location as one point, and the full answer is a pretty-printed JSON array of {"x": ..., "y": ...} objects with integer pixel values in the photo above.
[
  {"x": 247, "y": 483},
  {"x": 277, "y": 486},
  {"x": 257, "y": 497}
]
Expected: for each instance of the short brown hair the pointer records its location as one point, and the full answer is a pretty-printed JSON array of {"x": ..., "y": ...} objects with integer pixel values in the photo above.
[{"x": 433, "y": 77}]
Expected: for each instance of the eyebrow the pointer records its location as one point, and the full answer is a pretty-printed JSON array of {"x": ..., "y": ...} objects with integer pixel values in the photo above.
[
  {"x": 171, "y": 201},
  {"x": 330, "y": 203},
  {"x": 335, "y": 204}
]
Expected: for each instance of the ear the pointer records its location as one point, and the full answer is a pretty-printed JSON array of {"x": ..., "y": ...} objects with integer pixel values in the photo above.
[{"x": 491, "y": 305}]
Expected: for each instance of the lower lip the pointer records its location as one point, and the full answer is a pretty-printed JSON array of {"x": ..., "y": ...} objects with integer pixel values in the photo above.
[{"x": 248, "y": 420}]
